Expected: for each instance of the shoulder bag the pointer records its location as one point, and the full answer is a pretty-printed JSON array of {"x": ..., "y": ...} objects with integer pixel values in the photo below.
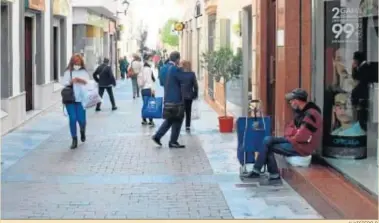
[
  {"x": 173, "y": 111},
  {"x": 68, "y": 95}
]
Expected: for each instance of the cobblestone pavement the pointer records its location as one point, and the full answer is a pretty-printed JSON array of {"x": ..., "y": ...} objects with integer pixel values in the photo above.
[{"x": 119, "y": 173}]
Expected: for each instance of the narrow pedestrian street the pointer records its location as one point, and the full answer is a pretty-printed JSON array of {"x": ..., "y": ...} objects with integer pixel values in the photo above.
[{"x": 119, "y": 173}]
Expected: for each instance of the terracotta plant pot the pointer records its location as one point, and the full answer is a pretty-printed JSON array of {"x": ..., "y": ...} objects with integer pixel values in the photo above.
[{"x": 226, "y": 124}]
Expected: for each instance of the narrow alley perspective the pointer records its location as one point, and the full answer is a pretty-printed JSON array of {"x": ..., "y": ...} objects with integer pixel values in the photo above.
[
  {"x": 119, "y": 173},
  {"x": 189, "y": 109}
]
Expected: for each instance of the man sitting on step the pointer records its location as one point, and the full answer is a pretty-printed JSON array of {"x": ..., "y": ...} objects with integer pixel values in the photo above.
[{"x": 301, "y": 137}]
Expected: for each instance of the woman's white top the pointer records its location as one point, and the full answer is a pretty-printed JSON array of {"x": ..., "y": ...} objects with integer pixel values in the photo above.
[
  {"x": 146, "y": 75},
  {"x": 78, "y": 88},
  {"x": 136, "y": 66}
]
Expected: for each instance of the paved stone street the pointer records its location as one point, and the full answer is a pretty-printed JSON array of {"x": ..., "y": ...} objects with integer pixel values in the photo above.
[{"x": 119, "y": 173}]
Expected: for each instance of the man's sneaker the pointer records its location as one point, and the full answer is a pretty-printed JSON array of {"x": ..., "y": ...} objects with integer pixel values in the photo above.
[
  {"x": 271, "y": 182},
  {"x": 157, "y": 141},
  {"x": 176, "y": 146},
  {"x": 253, "y": 175}
]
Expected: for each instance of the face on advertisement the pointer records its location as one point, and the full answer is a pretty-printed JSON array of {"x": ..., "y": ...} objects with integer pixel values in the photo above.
[
  {"x": 343, "y": 109},
  {"x": 339, "y": 63}
]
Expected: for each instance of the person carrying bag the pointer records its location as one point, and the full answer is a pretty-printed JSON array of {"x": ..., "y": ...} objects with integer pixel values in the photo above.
[{"x": 173, "y": 107}]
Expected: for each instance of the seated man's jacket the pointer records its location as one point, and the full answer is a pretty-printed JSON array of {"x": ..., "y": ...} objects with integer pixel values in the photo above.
[{"x": 305, "y": 131}]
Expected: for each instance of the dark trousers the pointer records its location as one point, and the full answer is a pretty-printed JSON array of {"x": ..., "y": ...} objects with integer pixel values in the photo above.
[
  {"x": 146, "y": 94},
  {"x": 110, "y": 93},
  {"x": 188, "y": 110},
  {"x": 272, "y": 145},
  {"x": 123, "y": 74},
  {"x": 175, "y": 125}
]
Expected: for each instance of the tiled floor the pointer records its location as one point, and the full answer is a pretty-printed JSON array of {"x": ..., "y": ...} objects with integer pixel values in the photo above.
[{"x": 120, "y": 174}]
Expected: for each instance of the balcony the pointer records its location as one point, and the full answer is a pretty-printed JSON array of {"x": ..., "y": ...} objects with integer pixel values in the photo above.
[{"x": 107, "y": 8}]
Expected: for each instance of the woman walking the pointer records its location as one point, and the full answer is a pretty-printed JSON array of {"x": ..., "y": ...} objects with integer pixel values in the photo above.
[
  {"x": 76, "y": 76},
  {"x": 134, "y": 69},
  {"x": 147, "y": 86},
  {"x": 190, "y": 90}
]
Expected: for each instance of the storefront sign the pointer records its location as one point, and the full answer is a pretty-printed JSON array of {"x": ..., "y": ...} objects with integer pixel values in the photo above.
[
  {"x": 347, "y": 30},
  {"x": 61, "y": 7},
  {"x": 35, "y": 4},
  {"x": 95, "y": 20},
  {"x": 7, "y": 0}
]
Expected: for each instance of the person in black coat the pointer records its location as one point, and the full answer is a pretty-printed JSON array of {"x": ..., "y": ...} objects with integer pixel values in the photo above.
[
  {"x": 104, "y": 77},
  {"x": 364, "y": 73},
  {"x": 190, "y": 90}
]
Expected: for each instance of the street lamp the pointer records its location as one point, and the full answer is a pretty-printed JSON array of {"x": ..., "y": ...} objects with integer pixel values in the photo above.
[{"x": 125, "y": 2}]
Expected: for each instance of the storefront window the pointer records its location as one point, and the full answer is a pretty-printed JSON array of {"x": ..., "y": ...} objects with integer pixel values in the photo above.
[{"x": 351, "y": 61}]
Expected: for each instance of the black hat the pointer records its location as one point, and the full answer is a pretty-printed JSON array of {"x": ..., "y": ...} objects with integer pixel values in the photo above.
[
  {"x": 298, "y": 94},
  {"x": 106, "y": 60}
]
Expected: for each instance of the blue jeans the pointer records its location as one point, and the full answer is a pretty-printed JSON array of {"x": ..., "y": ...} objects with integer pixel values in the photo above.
[
  {"x": 146, "y": 94},
  {"x": 272, "y": 145},
  {"x": 175, "y": 125},
  {"x": 76, "y": 114}
]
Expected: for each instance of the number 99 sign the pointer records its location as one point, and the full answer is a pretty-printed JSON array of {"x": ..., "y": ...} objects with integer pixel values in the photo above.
[{"x": 338, "y": 29}]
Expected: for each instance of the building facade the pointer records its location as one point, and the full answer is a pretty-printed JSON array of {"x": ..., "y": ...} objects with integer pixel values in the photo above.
[
  {"x": 36, "y": 43},
  {"x": 95, "y": 31},
  {"x": 283, "y": 47}
]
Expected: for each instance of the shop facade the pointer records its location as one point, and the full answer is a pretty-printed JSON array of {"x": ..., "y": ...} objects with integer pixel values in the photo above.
[{"x": 350, "y": 114}]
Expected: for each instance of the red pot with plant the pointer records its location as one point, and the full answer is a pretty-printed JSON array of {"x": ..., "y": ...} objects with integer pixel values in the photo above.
[{"x": 223, "y": 66}]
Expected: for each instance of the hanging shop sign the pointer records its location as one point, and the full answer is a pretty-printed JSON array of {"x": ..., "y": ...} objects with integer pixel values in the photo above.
[
  {"x": 179, "y": 26},
  {"x": 61, "y": 7},
  {"x": 38, "y": 5},
  {"x": 347, "y": 30}
]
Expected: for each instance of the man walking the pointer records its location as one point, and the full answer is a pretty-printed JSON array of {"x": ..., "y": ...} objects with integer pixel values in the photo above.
[
  {"x": 173, "y": 102},
  {"x": 104, "y": 77}
]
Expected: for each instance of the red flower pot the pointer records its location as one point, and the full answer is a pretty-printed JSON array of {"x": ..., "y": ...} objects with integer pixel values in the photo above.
[{"x": 226, "y": 124}]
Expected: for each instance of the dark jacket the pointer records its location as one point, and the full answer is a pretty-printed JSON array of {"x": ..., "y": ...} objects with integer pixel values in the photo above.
[
  {"x": 124, "y": 65},
  {"x": 103, "y": 75},
  {"x": 365, "y": 74},
  {"x": 165, "y": 70},
  {"x": 173, "y": 85},
  {"x": 190, "y": 88},
  {"x": 305, "y": 131}
]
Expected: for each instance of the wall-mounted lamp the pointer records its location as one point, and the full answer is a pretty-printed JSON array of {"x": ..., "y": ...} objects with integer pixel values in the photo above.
[{"x": 126, "y": 3}]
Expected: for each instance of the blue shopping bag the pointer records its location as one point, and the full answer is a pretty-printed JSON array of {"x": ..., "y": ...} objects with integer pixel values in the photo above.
[{"x": 152, "y": 107}]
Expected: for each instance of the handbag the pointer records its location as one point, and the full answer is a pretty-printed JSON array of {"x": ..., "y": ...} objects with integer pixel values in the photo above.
[
  {"x": 172, "y": 110},
  {"x": 67, "y": 93},
  {"x": 152, "y": 107},
  {"x": 90, "y": 96}
]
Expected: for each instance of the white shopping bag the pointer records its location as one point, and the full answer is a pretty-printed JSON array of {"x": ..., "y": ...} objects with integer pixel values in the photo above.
[
  {"x": 90, "y": 95},
  {"x": 195, "y": 114}
]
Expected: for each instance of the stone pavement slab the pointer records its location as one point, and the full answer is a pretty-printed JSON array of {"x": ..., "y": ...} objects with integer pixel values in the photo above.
[{"x": 120, "y": 174}]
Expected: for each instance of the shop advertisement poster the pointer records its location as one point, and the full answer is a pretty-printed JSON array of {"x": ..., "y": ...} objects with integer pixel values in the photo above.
[{"x": 345, "y": 33}]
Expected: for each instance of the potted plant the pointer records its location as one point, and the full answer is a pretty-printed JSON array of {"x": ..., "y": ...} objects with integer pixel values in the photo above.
[{"x": 222, "y": 65}]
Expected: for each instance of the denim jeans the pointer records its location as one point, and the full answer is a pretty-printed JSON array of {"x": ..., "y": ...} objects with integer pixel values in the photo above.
[
  {"x": 135, "y": 87},
  {"x": 272, "y": 145},
  {"x": 76, "y": 114},
  {"x": 175, "y": 125},
  {"x": 146, "y": 94}
]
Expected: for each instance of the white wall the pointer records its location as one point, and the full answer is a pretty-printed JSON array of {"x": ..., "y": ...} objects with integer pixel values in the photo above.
[
  {"x": 69, "y": 32},
  {"x": 16, "y": 46},
  {"x": 47, "y": 33},
  {"x": 79, "y": 16}
]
